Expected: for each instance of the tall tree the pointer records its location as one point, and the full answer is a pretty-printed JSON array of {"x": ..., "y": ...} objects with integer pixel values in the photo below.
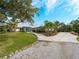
[
  {"x": 18, "y": 9},
  {"x": 75, "y": 25}
]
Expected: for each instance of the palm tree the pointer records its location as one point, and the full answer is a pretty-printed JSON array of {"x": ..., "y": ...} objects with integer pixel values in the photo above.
[
  {"x": 48, "y": 26},
  {"x": 56, "y": 25}
]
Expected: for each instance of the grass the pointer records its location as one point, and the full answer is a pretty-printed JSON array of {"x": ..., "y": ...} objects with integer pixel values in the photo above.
[{"x": 15, "y": 41}]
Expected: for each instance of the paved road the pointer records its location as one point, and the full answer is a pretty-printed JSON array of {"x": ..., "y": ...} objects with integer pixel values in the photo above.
[
  {"x": 60, "y": 37},
  {"x": 49, "y": 50}
]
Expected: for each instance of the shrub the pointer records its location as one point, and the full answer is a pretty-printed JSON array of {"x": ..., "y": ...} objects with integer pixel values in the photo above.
[
  {"x": 78, "y": 38},
  {"x": 3, "y": 29}
]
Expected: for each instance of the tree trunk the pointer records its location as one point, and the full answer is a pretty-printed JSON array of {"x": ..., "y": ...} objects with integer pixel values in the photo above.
[{"x": 12, "y": 27}]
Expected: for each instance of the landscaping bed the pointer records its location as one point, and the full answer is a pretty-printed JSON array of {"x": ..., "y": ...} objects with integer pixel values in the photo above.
[
  {"x": 74, "y": 33},
  {"x": 49, "y": 33},
  {"x": 15, "y": 41}
]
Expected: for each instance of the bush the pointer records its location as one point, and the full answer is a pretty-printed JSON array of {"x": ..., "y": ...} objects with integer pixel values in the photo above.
[
  {"x": 3, "y": 29},
  {"x": 78, "y": 38}
]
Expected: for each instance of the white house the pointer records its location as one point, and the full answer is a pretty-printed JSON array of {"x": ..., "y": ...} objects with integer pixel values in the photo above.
[{"x": 24, "y": 26}]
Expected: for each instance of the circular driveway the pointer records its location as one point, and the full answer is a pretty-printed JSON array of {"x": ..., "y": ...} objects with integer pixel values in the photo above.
[{"x": 60, "y": 37}]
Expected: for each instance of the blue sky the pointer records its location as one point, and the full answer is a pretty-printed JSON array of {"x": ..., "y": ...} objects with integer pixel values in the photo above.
[{"x": 56, "y": 10}]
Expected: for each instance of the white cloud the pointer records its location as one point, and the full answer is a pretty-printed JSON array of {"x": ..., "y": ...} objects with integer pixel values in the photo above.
[
  {"x": 72, "y": 2},
  {"x": 37, "y": 3},
  {"x": 72, "y": 6},
  {"x": 75, "y": 12},
  {"x": 75, "y": 5},
  {"x": 50, "y": 4}
]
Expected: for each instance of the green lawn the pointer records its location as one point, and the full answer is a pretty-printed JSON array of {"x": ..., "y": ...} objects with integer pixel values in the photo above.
[{"x": 11, "y": 42}]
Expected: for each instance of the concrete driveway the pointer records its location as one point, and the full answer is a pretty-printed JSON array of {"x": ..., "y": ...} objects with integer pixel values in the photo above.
[
  {"x": 60, "y": 37},
  {"x": 49, "y": 50}
]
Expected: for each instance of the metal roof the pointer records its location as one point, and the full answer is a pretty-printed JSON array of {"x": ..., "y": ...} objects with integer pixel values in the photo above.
[{"x": 2, "y": 24}]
